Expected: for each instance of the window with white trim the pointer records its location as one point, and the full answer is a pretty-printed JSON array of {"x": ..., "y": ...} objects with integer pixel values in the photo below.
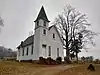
[
  {"x": 44, "y": 23},
  {"x": 53, "y": 35},
  {"x": 49, "y": 52},
  {"x": 32, "y": 50},
  {"x": 27, "y": 51},
  {"x": 43, "y": 46},
  {"x": 57, "y": 52},
  {"x": 44, "y": 31}
]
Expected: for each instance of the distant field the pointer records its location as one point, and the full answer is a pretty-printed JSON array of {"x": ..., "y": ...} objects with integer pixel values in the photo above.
[{"x": 16, "y": 68}]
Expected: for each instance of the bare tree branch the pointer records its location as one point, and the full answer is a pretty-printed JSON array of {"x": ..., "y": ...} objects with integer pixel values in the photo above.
[{"x": 70, "y": 23}]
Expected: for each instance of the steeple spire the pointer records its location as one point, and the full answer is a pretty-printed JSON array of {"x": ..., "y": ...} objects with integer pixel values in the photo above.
[{"x": 42, "y": 15}]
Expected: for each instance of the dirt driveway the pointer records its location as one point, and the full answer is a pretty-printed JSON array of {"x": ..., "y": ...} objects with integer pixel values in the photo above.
[{"x": 52, "y": 70}]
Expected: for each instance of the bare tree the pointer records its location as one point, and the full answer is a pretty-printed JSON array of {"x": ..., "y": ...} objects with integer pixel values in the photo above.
[
  {"x": 70, "y": 24},
  {"x": 1, "y": 22},
  {"x": 76, "y": 45}
]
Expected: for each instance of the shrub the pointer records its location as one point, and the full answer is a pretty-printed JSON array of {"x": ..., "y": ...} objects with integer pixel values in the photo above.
[
  {"x": 59, "y": 60},
  {"x": 50, "y": 61},
  {"x": 1, "y": 57},
  {"x": 41, "y": 60},
  {"x": 30, "y": 60},
  {"x": 66, "y": 60},
  {"x": 53, "y": 62},
  {"x": 75, "y": 61},
  {"x": 97, "y": 61}
]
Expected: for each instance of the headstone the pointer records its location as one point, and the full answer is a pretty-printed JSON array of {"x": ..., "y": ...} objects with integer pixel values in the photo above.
[{"x": 91, "y": 67}]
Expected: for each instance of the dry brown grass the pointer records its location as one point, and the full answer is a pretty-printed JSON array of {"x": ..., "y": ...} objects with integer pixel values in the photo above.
[
  {"x": 16, "y": 68},
  {"x": 81, "y": 70},
  {"x": 24, "y": 68}
]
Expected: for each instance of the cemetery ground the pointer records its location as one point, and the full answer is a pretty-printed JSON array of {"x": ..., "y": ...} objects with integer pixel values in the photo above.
[{"x": 25, "y": 68}]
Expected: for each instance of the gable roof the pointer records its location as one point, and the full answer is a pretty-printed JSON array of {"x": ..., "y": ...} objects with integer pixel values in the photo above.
[
  {"x": 28, "y": 41},
  {"x": 57, "y": 32},
  {"x": 42, "y": 15},
  {"x": 50, "y": 27}
]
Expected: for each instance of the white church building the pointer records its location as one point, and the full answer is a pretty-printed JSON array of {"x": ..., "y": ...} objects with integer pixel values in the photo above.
[{"x": 46, "y": 41}]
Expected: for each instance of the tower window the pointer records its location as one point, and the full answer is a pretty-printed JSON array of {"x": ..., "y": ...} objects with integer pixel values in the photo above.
[
  {"x": 43, "y": 46},
  {"x": 27, "y": 51},
  {"x": 37, "y": 23},
  {"x": 53, "y": 35},
  {"x": 49, "y": 54},
  {"x": 44, "y": 31},
  {"x": 44, "y": 23}
]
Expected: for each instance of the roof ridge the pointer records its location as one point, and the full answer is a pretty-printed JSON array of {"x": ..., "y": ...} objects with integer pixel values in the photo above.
[{"x": 28, "y": 41}]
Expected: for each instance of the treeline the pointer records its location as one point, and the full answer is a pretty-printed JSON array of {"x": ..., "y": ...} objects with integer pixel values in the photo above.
[
  {"x": 7, "y": 52},
  {"x": 87, "y": 59},
  {"x": 90, "y": 59}
]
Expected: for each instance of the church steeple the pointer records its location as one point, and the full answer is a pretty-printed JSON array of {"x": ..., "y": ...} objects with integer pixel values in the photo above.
[{"x": 42, "y": 15}]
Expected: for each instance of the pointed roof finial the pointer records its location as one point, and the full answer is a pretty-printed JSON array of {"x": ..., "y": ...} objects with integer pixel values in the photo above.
[{"x": 42, "y": 15}]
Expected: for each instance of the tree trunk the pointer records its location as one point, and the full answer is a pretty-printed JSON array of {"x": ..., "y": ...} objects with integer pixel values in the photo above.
[
  {"x": 77, "y": 57},
  {"x": 67, "y": 60},
  {"x": 67, "y": 56},
  {"x": 71, "y": 57},
  {"x": 67, "y": 49}
]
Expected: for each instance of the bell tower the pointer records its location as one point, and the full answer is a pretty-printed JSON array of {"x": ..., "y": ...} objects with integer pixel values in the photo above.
[
  {"x": 42, "y": 19},
  {"x": 41, "y": 31}
]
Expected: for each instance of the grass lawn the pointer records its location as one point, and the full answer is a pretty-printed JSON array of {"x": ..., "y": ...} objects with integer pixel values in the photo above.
[{"x": 22, "y": 68}]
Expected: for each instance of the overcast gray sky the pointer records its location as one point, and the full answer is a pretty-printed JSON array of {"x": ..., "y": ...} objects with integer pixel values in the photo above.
[{"x": 19, "y": 16}]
